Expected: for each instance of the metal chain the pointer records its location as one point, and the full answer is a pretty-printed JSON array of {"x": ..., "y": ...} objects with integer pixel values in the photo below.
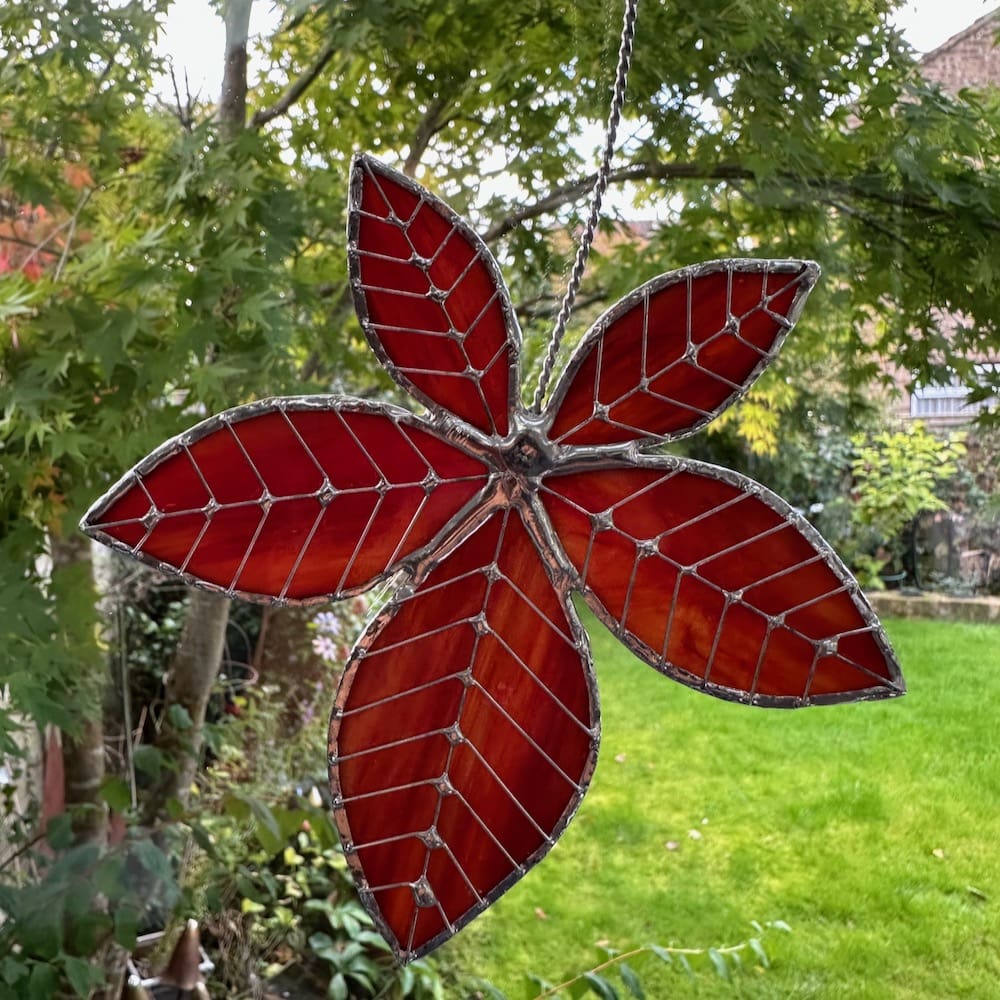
[{"x": 600, "y": 186}]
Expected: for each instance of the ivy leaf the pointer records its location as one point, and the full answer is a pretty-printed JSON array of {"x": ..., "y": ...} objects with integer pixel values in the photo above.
[
  {"x": 266, "y": 826},
  {"x": 82, "y": 975},
  {"x": 126, "y": 925},
  {"x": 154, "y": 860},
  {"x": 59, "y": 832},
  {"x": 115, "y": 791},
  {"x": 149, "y": 760},
  {"x": 12, "y": 970},
  {"x": 180, "y": 718},
  {"x": 42, "y": 982}
]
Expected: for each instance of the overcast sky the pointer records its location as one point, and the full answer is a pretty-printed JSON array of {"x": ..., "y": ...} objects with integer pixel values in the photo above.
[
  {"x": 928, "y": 23},
  {"x": 195, "y": 37}
]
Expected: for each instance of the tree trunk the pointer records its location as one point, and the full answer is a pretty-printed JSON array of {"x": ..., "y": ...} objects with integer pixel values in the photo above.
[
  {"x": 189, "y": 683},
  {"x": 233, "y": 101},
  {"x": 196, "y": 662},
  {"x": 83, "y": 744}
]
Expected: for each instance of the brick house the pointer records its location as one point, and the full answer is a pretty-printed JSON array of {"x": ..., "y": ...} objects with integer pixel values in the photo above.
[{"x": 970, "y": 58}]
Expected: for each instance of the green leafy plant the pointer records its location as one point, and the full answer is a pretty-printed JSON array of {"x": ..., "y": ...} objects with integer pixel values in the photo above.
[
  {"x": 159, "y": 263},
  {"x": 279, "y": 875},
  {"x": 897, "y": 474},
  {"x": 726, "y": 961},
  {"x": 84, "y": 901}
]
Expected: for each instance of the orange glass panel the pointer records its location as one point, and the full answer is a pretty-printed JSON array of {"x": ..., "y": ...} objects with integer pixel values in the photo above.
[
  {"x": 431, "y": 298},
  {"x": 466, "y": 728},
  {"x": 719, "y": 584},
  {"x": 464, "y": 737},
  {"x": 676, "y": 352},
  {"x": 290, "y": 501}
]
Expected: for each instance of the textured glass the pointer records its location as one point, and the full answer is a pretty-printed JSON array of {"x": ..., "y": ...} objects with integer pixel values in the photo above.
[
  {"x": 465, "y": 735},
  {"x": 672, "y": 355},
  {"x": 715, "y": 581},
  {"x": 264, "y": 501},
  {"x": 466, "y": 723},
  {"x": 431, "y": 300}
]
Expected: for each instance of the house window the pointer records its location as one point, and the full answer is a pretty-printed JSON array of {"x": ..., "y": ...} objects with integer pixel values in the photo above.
[{"x": 951, "y": 400}]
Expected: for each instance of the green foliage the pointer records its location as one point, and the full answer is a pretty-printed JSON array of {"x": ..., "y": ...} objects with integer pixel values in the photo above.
[
  {"x": 897, "y": 475},
  {"x": 84, "y": 901},
  {"x": 726, "y": 962},
  {"x": 177, "y": 272},
  {"x": 866, "y": 827},
  {"x": 186, "y": 274},
  {"x": 172, "y": 294},
  {"x": 279, "y": 874}
]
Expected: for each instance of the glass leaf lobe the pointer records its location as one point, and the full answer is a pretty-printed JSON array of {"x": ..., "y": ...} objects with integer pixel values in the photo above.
[
  {"x": 464, "y": 737},
  {"x": 677, "y": 351},
  {"x": 715, "y": 581},
  {"x": 292, "y": 500},
  {"x": 431, "y": 298}
]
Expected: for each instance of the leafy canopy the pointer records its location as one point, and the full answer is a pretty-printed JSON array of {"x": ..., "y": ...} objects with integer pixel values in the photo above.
[{"x": 178, "y": 273}]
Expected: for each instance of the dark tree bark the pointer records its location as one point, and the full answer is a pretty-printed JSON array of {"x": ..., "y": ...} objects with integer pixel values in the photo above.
[
  {"x": 232, "y": 112},
  {"x": 195, "y": 665},
  {"x": 189, "y": 683}
]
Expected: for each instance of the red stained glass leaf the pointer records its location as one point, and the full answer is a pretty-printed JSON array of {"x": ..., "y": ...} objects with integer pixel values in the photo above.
[
  {"x": 464, "y": 737},
  {"x": 715, "y": 581},
  {"x": 293, "y": 499},
  {"x": 676, "y": 352},
  {"x": 431, "y": 298}
]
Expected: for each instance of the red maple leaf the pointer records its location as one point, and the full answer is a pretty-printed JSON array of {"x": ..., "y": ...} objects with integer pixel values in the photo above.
[{"x": 466, "y": 726}]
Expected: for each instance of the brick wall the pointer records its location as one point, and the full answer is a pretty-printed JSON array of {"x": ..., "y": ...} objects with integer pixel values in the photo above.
[{"x": 969, "y": 59}]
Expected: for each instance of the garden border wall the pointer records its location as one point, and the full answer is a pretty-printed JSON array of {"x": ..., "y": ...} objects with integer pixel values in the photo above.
[{"x": 893, "y": 604}]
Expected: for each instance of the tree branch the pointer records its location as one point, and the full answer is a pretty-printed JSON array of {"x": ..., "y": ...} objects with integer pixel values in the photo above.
[
  {"x": 429, "y": 127},
  {"x": 874, "y": 223},
  {"x": 907, "y": 201},
  {"x": 646, "y": 171},
  {"x": 653, "y": 170},
  {"x": 295, "y": 89},
  {"x": 185, "y": 115},
  {"x": 545, "y": 306},
  {"x": 189, "y": 681}
]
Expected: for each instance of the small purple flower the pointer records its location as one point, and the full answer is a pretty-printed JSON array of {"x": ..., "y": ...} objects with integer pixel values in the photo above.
[
  {"x": 327, "y": 623},
  {"x": 325, "y": 648}
]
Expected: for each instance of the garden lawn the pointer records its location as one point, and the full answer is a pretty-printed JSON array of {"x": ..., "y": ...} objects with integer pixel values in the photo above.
[{"x": 872, "y": 830}]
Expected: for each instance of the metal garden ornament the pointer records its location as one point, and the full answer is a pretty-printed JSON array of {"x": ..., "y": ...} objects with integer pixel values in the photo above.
[{"x": 466, "y": 725}]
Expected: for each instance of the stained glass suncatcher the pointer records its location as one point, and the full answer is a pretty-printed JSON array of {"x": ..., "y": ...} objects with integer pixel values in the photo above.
[{"x": 466, "y": 726}]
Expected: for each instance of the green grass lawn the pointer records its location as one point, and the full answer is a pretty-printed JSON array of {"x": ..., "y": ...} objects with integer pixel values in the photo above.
[{"x": 873, "y": 830}]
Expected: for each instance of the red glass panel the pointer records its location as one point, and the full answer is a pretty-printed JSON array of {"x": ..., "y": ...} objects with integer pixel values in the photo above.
[
  {"x": 718, "y": 583},
  {"x": 677, "y": 351},
  {"x": 431, "y": 298},
  {"x": 290, "y": 499},
  {"x": 464, "y": 737}
]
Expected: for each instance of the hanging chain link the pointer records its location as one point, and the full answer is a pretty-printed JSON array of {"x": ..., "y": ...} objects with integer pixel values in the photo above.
[{"x": 600, "y": 186}]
